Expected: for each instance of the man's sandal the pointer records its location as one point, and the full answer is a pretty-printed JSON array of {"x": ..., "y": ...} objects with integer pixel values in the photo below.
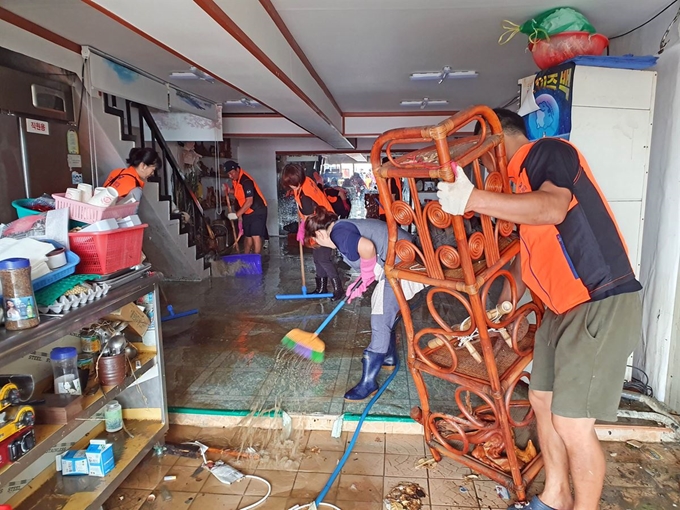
[{"x": 534, "y": 504}]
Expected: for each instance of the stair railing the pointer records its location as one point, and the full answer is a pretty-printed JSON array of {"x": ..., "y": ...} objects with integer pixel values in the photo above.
[{"x": 173, "y": 185}]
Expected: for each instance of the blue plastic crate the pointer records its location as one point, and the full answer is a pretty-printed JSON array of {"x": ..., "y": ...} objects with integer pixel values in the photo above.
[
  {"x": 243, "y": 265},
  {"x": 72, "y": 260}
]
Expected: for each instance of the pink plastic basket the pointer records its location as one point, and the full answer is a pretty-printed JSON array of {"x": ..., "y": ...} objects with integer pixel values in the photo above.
[
  {"x": 87, "y": 213},
  {"x": 107, "y": 252}
]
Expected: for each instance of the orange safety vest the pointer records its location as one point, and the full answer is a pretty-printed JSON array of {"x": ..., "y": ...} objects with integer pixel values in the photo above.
[
  {"x": 240, "y": 194},
  {"x": 124, "y": 180},
  {"x": 583, "y": 258},
  {"x": 392, "y": 183},
  {"x": 311, "y": 190}
]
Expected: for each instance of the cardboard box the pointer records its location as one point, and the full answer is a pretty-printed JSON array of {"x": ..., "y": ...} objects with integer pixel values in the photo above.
[
  {"x": 100, "y": 457},
  {"x": 73, "y": 462},
  {"x": 131, "y": 313}
]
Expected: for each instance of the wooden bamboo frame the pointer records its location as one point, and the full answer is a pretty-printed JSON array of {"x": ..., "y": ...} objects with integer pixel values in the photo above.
[{"x": 464, "y": 273}]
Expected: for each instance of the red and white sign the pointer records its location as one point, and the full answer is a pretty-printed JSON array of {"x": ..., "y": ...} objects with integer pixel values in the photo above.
[{"x": 37, "y": 126}]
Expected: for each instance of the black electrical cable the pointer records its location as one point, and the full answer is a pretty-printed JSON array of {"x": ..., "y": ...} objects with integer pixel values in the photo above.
[
  {"x": 637, "y": 385},
  {"x": 646, "y": 22}
]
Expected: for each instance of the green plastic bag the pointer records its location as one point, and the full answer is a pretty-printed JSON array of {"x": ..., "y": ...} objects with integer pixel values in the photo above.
[{"x": 548, "y": 23}]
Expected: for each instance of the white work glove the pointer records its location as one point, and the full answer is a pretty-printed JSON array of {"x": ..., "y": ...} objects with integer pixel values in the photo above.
[
  {"x": 232, "y": 216},
  {"x": 454, "y": 196}
]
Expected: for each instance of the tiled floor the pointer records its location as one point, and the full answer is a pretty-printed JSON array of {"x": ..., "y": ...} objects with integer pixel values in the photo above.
[
  {"x": 637, "y": 479},
  {"x": 225, "y": 357}
]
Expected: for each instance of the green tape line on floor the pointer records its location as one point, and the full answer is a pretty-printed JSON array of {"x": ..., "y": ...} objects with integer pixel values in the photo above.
[{"x": 223, "y": 412}]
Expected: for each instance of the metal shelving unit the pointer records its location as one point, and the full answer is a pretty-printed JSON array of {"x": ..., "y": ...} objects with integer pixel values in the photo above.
[{"x": 32, "y": 481}]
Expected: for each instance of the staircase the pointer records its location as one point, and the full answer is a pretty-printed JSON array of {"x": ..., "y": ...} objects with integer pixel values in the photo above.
[{"x": 179, "y": 239}]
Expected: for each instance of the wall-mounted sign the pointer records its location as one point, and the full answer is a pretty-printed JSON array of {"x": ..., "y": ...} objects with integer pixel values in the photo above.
[
  {"x": 37, "y": 126},
  {"x": 75, "y": 161},
  {"x": 72, "y": 142}
]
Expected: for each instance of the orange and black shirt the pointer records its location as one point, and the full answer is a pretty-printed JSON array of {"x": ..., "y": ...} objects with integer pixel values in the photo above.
[
  {"x": 584, "y": 258},
  {"x": 309, "y": 196},
  {"x": 244, "y": 187},
  {"x": 124, "y": 180},
  {"x": 340, "y": 207}
]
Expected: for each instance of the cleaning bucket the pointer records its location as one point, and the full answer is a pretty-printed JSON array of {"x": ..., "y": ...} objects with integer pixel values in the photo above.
[{"x": 243, "y": 265}]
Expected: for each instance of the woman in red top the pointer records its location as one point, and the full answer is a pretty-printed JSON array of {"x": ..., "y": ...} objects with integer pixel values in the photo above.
[
  {"x": 142, "y": 163},
  {"x": 308, "y": 197}
]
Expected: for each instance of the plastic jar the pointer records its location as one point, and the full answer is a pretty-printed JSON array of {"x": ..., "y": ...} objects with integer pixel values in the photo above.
[
  {"x": 113, "y": 416},
  {"x": 65, "y": 368},
  {"x": 21, "y": 311}
]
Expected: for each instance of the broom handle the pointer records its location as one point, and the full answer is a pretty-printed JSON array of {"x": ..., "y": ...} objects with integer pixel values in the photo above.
[
  {"x": 302, "y": 268},
  {"x": 330, "y": 317},
  {"x": 334, "y": 312},
  {"x": 233, "y": 227}
]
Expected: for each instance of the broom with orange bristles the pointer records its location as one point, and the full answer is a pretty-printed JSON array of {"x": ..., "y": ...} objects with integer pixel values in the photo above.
[{"x": 309, "y": 345}]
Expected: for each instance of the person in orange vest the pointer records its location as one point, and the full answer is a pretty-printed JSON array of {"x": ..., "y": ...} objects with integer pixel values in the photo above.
[
  {"x": 395, "y": 189},
  {"x": 308, "y": 197},
  {"x": 252, "y": 207},
  {"x": 337, "y": 196},
  {"x": 574, "y": 258},
  {"x": 142, "y": 163}
]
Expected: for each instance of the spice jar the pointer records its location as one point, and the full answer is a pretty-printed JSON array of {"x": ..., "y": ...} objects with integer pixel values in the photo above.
[
  {"x": 65, "y": 367},
  {"x": 21, "y": 311}
]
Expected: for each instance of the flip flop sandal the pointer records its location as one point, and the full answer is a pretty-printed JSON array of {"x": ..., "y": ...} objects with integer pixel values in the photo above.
[{"x": 534, "y": 504}]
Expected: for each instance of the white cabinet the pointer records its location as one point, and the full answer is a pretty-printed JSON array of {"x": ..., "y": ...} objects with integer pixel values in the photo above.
[{"x": 611, "y": 124}]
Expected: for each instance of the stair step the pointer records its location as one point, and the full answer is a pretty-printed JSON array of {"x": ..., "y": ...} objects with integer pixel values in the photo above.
[
  {"x": 175, "y": 216},
  {"x": 165, "y": 198}
]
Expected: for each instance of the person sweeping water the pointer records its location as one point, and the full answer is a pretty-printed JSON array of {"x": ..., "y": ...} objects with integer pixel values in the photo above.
[
  {"x": 363, "y": 245},
  {"x": 308, "y": 198}
]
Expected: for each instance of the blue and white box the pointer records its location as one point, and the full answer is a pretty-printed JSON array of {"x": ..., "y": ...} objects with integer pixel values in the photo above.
[
  {"x": 73, "y": 462},
  {"x": 100, "y": 457}
]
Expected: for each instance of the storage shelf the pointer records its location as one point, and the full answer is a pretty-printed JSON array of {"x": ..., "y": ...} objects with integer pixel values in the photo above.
[
  {"x": 57, "y": 492},
  {"x": 16, "y": 344},
  {"x": 48, "y": 436}
]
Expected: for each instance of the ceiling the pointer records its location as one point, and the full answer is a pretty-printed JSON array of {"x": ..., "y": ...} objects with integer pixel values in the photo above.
[
  {"x": 365, "y": 50},
  {"x": 86, "y": 26}
]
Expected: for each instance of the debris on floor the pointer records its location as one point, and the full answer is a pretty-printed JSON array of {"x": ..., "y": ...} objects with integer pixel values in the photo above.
[
  {"x": 492, "y": 454},
  {"x": 405, "y": 496},
  {"x": 426, "y": 463}
]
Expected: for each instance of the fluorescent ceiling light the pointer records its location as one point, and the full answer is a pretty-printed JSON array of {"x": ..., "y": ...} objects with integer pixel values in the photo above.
[
  {"x": 244, "y": 101},
  {"x": 445, "y": 74},
  {"x": 424, "y": 103},
  {"x": 359, "y": 158},
  {"x": 192, "y": 74}
]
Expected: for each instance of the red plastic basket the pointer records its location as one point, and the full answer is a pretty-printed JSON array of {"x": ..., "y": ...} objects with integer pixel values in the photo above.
[
  {"x": 107, "y": 252},
  {"x": 80, "y": 211}
]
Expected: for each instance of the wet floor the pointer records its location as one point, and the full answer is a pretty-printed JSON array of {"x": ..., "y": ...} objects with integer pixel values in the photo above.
[
  {"x": 644, "y": 478},
  {"x": 225, "y": 357}
]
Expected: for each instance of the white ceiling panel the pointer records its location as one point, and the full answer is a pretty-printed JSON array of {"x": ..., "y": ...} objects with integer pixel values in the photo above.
[
  {"x": 365, "y": 50},
  {"x": 80, "y": 23}
]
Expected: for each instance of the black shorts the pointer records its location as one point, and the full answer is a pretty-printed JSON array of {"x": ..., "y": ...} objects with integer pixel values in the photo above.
[{"x": 255, "y": 225}]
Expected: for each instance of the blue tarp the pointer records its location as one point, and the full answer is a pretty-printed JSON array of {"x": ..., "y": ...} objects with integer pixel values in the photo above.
[{"x": 624, "y": 62}]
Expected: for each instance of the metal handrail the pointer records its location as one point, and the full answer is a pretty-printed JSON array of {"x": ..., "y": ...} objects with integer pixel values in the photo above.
[{"x": 172, "y": 182}]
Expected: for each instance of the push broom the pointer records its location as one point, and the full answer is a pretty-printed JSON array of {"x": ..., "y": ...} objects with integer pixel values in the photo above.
[
  {"x": 304, "y": 294},
  {"x": 309, "y": 345}
]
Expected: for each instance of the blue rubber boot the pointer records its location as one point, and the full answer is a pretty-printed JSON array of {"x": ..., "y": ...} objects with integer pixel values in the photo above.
[
  {"x": 391, "y": 357},
  {"x": 368, "y": 385}
]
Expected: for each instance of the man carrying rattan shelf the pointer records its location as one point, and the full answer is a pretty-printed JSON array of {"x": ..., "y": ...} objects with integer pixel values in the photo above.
[{"x": 574, "y": 258}]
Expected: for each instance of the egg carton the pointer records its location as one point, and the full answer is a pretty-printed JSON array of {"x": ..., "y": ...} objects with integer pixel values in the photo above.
[{"x": 80, "y": 295}]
